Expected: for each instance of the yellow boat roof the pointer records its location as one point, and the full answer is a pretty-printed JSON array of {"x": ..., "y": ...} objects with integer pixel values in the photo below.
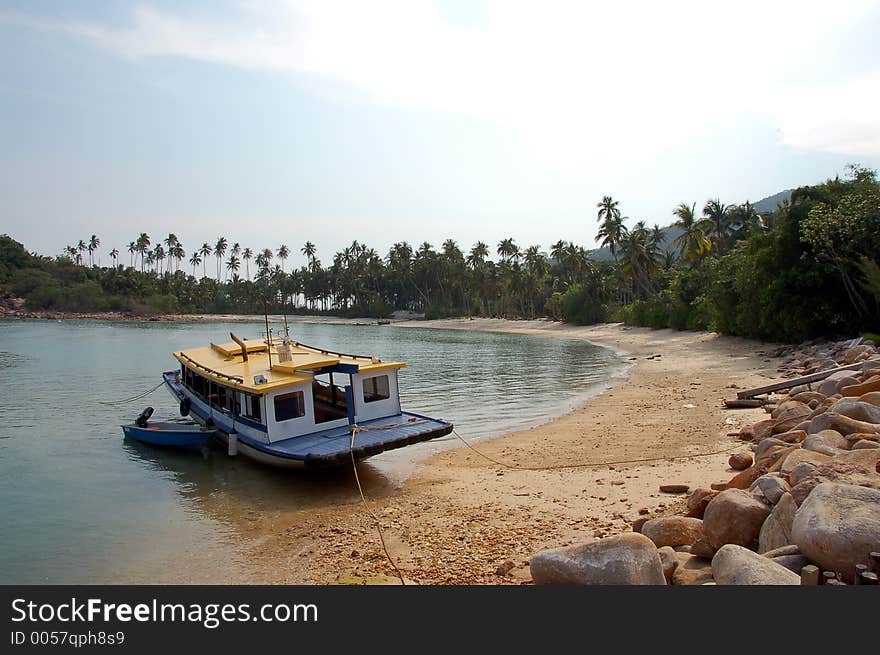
[{"x": 223, "y": 364}]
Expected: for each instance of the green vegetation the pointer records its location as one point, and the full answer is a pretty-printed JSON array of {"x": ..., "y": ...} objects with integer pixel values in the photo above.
[{"x": 807, "y": 269}]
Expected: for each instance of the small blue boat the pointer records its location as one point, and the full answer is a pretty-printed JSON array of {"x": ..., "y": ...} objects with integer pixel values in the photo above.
[{"x": 186, "y": 436}]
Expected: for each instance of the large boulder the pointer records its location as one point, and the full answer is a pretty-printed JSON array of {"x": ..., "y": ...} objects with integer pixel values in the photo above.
[
  {"x": 802, "y": 455},
  {"x": 838, "y": 526},
  {"x": 790, "y": 416},
  {"x": 626, "y": 559},
  {"x": 776, "y": 531},
  {"x": 735, "y": 565},
  {"x": 856, "y": 409},
  {"x": 734, "y": 517},
  {"x": 673, "y": 530},
  {"x": 857, "y": 467}
]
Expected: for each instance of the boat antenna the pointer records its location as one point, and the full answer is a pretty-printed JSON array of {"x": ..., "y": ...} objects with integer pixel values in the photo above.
[{"x": 268, "y": 335}]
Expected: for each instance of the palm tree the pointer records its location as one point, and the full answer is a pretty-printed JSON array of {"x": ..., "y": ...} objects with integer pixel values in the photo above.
[
  {"x": 132, "y": 249},
  {"x": 159, "y": 257},
  {"x": 195, "y": 260},
  {"x": 283, "y": 253},
  {"x": 478, "y": 255},
  {"x": 717, "y": 220},
  {"x": 607, "y": 209},
  {"x": 309, "y": 251},
  {"x": 219, "y": 251},
  {"x": 247, "y": 255},
  {"x": 114, "y": 255},
  {"x": 94, "y": 242},
  {"x": 142, "y": 245},
  {"x": 692, "y": 242},
  {"x": 205, "y": 251},
  {"x": 233, "y": 264},
  {"x": 612, "y": 231},
  {"x": 507, "y": 250},
  {"x": 81, "y": 247}
]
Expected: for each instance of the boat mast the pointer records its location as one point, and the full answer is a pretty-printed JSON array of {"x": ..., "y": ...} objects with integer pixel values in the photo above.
[{"x": 268, "y": 335}]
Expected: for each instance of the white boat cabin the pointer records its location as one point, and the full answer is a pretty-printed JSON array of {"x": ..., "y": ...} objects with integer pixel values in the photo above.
[{"x": 280, "y": 390}]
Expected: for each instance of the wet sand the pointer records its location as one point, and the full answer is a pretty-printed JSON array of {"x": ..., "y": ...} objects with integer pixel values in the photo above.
[{"x": 459, "y": 516}]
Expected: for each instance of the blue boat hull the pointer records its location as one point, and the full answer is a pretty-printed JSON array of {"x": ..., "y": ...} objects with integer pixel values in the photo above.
[{"x": 170, "y": 435}]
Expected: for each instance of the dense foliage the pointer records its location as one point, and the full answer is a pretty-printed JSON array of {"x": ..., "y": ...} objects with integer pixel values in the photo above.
[{"x": 810, "y": 268}]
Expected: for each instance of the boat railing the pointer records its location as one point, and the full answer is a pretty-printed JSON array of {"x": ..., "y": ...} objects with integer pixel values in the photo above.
[
  {"x": 190, "y": 360},
  {"x": 331, "y": 352}
]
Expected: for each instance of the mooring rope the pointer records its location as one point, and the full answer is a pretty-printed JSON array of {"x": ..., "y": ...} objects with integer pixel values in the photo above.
[
  {"x": 517, "y": 467},
  {"x": 354, "y": 429},
  {"x": 133, "y": 398}
]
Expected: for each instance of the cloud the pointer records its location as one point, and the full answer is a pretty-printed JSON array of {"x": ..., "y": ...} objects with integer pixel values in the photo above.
[{"x": 575, "y": 80}]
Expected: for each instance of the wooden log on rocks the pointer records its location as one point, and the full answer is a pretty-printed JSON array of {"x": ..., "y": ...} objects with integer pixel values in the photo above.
[{"x": 794, "y": 382}]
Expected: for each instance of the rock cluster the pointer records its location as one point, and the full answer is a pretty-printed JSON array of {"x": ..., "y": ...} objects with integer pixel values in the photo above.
[{"x": 809, "y": 494}]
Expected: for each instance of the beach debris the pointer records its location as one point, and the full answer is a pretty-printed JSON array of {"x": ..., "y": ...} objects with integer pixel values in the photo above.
[{"x": 674, "y": 488}]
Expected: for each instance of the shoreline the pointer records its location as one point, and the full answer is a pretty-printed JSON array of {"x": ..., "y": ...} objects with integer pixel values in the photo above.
[{"x": 462, "y": 519}]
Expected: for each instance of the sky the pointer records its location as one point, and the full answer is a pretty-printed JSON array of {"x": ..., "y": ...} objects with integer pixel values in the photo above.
[{"x": 327, "y": 121}]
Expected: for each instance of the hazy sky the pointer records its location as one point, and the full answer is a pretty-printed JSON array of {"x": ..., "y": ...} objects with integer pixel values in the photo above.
[{"x": 285, "y": 121}]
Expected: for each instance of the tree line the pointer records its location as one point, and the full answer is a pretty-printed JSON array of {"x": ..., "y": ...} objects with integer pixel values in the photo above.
[{"x": 808, "y": 268}]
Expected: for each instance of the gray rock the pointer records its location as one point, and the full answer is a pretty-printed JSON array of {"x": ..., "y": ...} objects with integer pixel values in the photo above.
[
  {"x": 833, "y": 438},
  {"x": 800, "y": 455},
  {"x": 865, "y": 444},
  {"x": 669, "y": 562},
  {"x": 776, "y": 531},
  {"x": 626, "y": 559},
  {"x": 772, "y": 487},
  {"x": 818, "y": 444},
  {"x": 735, "y": 565},
  {"x": 854, "y": 408},
  {"x": 800, "y": 472},
  {"x": 673, "y": 530},
  {"x": 838, "y": 525},
  {"x": 734, "y": 517}
]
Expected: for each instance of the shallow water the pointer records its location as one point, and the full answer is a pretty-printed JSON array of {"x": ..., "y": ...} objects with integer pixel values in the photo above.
[{"x": 82, "y": 505}]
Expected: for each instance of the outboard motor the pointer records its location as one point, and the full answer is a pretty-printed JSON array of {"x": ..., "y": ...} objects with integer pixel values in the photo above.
[{"x": 143, "y": 417}]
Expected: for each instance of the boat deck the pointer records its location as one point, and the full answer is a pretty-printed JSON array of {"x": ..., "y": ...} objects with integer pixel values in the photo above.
[{"x": 333, "y": 447}]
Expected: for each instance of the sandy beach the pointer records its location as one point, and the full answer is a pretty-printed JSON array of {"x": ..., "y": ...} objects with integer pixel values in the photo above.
[{"x": 460, "y": 517}]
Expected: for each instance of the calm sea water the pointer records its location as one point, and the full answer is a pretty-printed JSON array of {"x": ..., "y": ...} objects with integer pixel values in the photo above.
[{"x": 79, "y": 504}]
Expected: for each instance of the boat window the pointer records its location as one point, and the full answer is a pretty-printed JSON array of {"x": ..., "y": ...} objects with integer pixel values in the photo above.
[
  {"x": 329, "y": 398},
  {"x": 289, "y": 405},
  {"x": 376, "y": 389},
  {"x": 251, "y": 407}
]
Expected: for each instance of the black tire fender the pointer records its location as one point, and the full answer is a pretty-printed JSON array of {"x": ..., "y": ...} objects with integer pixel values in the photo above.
[{"x": 184, "y": 407}]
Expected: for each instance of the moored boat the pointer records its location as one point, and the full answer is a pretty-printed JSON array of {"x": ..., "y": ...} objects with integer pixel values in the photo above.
[
  {"x": 187, "y": 436},
  {"x": 288, "y": 404}
]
